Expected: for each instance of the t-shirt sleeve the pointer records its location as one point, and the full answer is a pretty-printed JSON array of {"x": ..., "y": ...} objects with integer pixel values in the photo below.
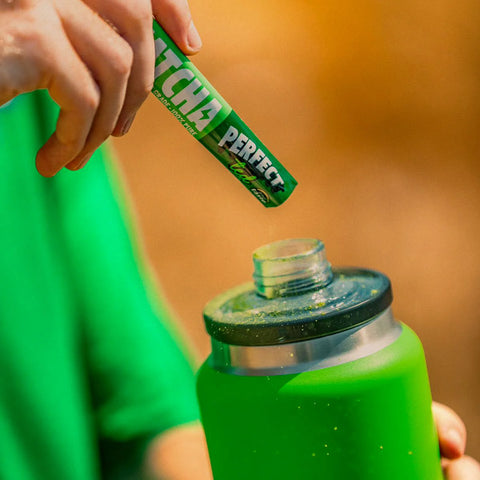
[{"x": 140, "y": 378}]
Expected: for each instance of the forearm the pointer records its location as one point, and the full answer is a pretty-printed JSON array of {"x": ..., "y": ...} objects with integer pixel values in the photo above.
[{"x": 178, "y": 454}]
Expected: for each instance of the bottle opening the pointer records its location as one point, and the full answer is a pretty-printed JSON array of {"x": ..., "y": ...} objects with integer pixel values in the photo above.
[
  {"x": 295, "y": 247},
  {"x": 290, "y": 267}
]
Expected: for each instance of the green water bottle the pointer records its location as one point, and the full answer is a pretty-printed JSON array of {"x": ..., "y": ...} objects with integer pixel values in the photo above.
[{"x": 310, "y": 376}]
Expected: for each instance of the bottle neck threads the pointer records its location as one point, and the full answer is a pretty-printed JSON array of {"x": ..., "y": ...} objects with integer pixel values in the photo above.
[{"x": 290, "y": 267}]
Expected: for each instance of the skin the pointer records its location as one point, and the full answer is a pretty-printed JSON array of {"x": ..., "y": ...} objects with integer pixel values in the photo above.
[
  {"x": 96, "y": 59},
  {"x": 452, "y": 436},
  {"x": 179, "y": 454}
]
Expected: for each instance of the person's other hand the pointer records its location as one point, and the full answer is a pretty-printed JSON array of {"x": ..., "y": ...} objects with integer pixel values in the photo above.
[
  {"x": 452, "y": 437},
  {"x": 95, "y": 57}
]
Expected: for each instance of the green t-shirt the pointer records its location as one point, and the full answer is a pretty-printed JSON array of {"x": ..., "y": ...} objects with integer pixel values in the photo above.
[{"x": 90, "y": 366}]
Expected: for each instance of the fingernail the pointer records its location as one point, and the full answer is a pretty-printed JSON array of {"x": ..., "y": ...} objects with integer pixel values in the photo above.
[
  {"x": 193, "y": 38},
  {"x": 127, "y": 125},
  {"x": 455, "y": 439}
]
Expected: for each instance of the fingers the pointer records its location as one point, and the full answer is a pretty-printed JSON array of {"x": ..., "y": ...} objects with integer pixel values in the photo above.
[
  {"x": 116, "y": 46},
  {"x": 465, "y": 468},
  {"x": 132, "y": 20},
  {"x": 96, "y": 58},
  {"x": 451, "y": 430},
  {"x": 175, "y": 17},
  {"x": 88, "y": 81},
  {"x": 73, "y": 88},
  {"x": 38, "y": 55},
  {"x": 109, "y": 58}
]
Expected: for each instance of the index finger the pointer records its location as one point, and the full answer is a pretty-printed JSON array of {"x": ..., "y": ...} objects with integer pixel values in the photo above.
[
  {"x": 72, "y": 87},
  {"x": 132, "y": 20},
  {"x": 452, "y": 434}
]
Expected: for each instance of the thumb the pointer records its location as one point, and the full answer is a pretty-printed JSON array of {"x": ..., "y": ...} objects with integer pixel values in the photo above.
[{"x": 176, "y": 19}]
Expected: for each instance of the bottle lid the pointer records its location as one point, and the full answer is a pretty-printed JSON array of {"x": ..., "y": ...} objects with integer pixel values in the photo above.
[{"x": 289, "y": 304}]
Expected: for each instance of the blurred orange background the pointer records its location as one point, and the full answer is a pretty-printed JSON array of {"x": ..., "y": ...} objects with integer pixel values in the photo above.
[{"x": 374, "y": 107}]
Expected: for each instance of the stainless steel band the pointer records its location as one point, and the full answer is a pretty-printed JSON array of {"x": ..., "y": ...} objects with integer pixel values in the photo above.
[{"x": 313, "y": 354}]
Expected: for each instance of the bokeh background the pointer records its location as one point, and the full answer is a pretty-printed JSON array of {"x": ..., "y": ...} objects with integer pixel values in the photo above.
[{"x": 374, "y": 106}]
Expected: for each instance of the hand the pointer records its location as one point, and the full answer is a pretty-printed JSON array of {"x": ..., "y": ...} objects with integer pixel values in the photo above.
[
  {"x": 452, "y": 436},
  {"x": 95, "y": 57}
]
